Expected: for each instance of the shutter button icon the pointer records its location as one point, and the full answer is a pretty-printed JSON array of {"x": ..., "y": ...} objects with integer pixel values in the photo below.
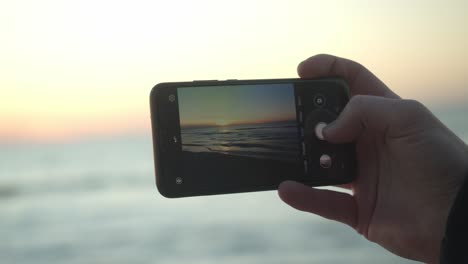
[{"x": 319, "y": 130}]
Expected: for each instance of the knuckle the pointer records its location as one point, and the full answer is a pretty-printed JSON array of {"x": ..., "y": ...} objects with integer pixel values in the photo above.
[
  {"x": 358, "y": 101},
  {"x": 355, "y": 66},
  {"x": 413, "y": 113},
  {"x": 323, "y": 56},
  {"x": 359, "y": 104},
  {"x": 412, "y": 107}
]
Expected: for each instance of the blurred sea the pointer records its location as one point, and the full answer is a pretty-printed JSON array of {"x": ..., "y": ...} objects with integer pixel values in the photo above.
[
  {"x": 95, "y": 201},
  {"x": 276, "y": 140}
]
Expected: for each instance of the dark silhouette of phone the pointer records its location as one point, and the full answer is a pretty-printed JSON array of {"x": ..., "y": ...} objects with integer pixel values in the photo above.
[{"x": 217, "y": 137}]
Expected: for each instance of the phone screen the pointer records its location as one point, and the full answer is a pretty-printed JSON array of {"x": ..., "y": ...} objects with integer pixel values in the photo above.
[{"x": 249, "y": 132}]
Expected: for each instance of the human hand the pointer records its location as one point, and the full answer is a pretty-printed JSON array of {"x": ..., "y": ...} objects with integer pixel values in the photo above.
[{"x": 409, "y": 165}]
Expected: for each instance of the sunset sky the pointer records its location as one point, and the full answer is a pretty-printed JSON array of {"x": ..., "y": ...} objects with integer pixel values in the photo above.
[
  {"x": 74, "y": 69},
  {"x": 234, "y": 105}
]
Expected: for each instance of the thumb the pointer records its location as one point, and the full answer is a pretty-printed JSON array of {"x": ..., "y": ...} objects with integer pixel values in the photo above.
[{"x": 364, "y": 112}]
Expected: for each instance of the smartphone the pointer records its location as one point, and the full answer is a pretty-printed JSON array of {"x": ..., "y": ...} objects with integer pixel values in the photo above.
[{"x": 218, "y": 137}]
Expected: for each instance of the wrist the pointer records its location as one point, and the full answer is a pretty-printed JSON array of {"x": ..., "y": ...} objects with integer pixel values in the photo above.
[
  {"x": 453, "y": 247},
  {"x": 451, "y": 203}
]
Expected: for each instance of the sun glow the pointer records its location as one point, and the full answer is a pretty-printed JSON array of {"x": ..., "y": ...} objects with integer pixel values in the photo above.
[
  {"x": 221, "y": 122},
  {"x": 80, "y": 68}
]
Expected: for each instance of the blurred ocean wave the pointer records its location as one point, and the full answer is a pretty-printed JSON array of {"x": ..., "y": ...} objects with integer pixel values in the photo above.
[
  {"x": 8, "y": 191},
  {"x": 95, "y": 201}
]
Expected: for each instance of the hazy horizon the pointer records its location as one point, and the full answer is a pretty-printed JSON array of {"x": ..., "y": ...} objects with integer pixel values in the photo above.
[{"x": 262, "y": 122}]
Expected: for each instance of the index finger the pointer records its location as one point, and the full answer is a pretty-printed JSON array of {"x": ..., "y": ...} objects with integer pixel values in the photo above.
[{"x": 359, "y": 79}]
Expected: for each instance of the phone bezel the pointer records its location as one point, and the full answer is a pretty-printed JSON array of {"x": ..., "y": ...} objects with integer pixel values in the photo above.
[{"x": 166, "y": 186}]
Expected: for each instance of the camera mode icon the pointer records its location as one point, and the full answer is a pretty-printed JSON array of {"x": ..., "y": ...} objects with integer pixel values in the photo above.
[{"x": 171, "y": 98}]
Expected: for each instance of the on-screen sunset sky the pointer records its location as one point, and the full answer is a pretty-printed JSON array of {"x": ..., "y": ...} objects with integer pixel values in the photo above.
[{"x": 236, "y": 104}]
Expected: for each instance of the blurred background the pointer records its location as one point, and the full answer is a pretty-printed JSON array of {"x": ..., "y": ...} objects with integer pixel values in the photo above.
[{"x": 76, "y": 171}]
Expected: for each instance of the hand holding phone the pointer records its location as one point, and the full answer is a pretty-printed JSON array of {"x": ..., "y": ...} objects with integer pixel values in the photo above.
[
  {"x": 215, "y": 137},
  {"x": 410, "y": 168}
]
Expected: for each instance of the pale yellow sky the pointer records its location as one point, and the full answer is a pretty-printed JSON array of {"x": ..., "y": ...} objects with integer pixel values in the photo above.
[{"x": 79, "y": 68}]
